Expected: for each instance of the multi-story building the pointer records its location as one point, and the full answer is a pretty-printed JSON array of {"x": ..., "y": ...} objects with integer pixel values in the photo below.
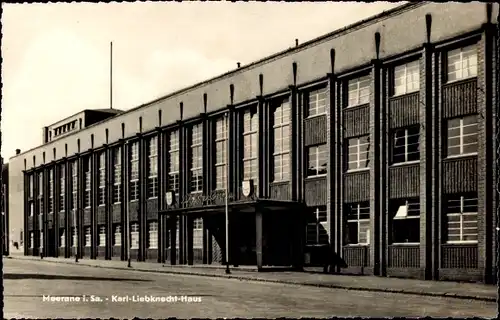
[{"x": 376, "y": 139}]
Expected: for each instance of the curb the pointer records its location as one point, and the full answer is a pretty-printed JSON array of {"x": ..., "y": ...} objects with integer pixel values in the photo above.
[{"x": 289, "y": 282}]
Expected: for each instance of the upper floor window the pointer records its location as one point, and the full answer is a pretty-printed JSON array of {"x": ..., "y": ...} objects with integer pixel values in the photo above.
[
  {"x": 462, "y": 136},
  {"x": 317, "y": 160},
  {"x": 358, "y": 92},
  {"x": 102, "y": 178},
  {"x": 102, "y": 236},
  {"x": 74, "y": 184},
  {"x": 40, "y": 184},
  {"x": 358, "y": 223},
  {"x": 221, "y": 139},
  {"x": 407, "y": 78},
  {"x": 88, "y": 184},
  {"x": 88, "y": 238},
  {"x": 134, "y": 171},
  {"x": 153, "y": 167},
  {"x": 316, "y": 226},
  {"x": 117, "y": 175},
  {"x": 462, "y": 63},
  {"x": 251, "y": 146},
  {"x": 62, "y": 186},
  {"x": 31, "y": 186},
  {"x": 281, "y": 127},
  {"x": 405, "y": 215},
  {"x": 358, "y": 151},
  {"x": 316, "y": 102},
  {"x": 117, "y": 239},
  {"x": 406, "y": 144},
  {"x": 173, "y": 167},
  {"x": 461, "y": 213},
  {"x": 197, "y": 158},
  {"x": 50, "y": 203},
  {"x": 62, "y": 238},
  {"x": 74, "y": 237}
]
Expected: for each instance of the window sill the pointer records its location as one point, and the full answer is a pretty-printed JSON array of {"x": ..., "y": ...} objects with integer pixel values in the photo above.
[
  {"x": 357, "y": 245},
  {"x": 134, "y": 200},
  {"x": 153, "y": 198},
  {"x": 456, "y": 81},
  {"x": 461, "y": 242},
  {"x": 117, "y": 203},
  {"x": 399, "y": 95},
  {"x": 315, "y": 116},
  {"x": 358, "y": 170},
  {"x": 316, "y": 177},
  {"x": 405, "y": 244},
  {"x": 356, "y": 106},
  {"x": 407, "y": 163},
  {"x": 458, "y": 156},
  {"x": 101, "y": 205},
  {"x": 153, "y": 248}
]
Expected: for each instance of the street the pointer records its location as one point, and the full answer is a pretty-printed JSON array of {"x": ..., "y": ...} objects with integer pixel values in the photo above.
[{"x": 28, "y": 283}]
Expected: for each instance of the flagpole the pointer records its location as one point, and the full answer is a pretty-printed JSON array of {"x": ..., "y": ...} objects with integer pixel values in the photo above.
[
  {"x": 227, "y": 192},
  {"x": 111, "y": 76}
]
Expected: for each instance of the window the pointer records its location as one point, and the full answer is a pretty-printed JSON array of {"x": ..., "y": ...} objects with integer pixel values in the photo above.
[
  {"x": 173, "y": 168},
  {"x": 251, "y": 146},
  {"x": 405, "y": 215},
  {"x": 358, "y": 223},
  {"x": 50, "y": 204},
  {"x": 134, "y": 171},
  {"x": 88, "y": 186},
  {"x": 41, "y": 239},
  {"x": 406, "y": 145},
  {"x": 32, "y": 239},
  {"x": 358, "y": 151},
  {"x": 462, "y": 136},
  {"x": 74, "y": 187},
  {"x": 88, "y": 239},
  {"x": 134, "y": 236},
  {"x": 317, "y": 160},
  {"x": 316, "y": 102},
  {"x": 102, "y": 179},
  {"x": 62, "y": 187},
  {"x": 62, "y": 237},
  {"x": 461, "y": 213},
  {"x": 117, "y": 236},
  {"x": 316, "y": 226},
  {"x": 462, "y": 63},
  {"x": 40, "y": 193},
  {"x": 281, "y": 153},
  {"x": 74, "y": 237},
  {"x": 32, "y": 208},
  {"x": 117, "y": 175},
  {"x": 407, "y": 78},
  {"x": 153, "y": 235},
  {"x": 153, "y": 167},
  {"x": 358, "y": 91},
  {"x": 197, "y": 158},
  {"x": 31, "y": 186},
  {"x": 177, "y": 228},
  {"x": 198, "y": 233},
  {"x": 221, "y": 139},
  {"x": 102, "y": 236}
]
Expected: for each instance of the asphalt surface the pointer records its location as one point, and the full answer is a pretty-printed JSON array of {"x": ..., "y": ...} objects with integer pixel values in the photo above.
[{"x": 100, "y": 291}]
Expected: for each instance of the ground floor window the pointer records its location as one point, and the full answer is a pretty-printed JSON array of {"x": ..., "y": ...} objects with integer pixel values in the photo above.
[
  {"x": 316, "y": 226},
  {"x": 153, "y": 235},
  {"x": 41, "y": 239},
  {"x": 117, "y": 235},
  {"x": 358, "y": 223},
  {"x": 134, "y": 236},
  {"x": 102, "y": 236},
  {"x": 88, "y": 239},
  {"x": 198, "y": 233},
  {"x": 405, "y": 226},
  {"x": 461, "y": 217},
  {"x": 74, "y": 237},
  {"x": 62, "y": 237},
  {"x": 32, "y": 239}
]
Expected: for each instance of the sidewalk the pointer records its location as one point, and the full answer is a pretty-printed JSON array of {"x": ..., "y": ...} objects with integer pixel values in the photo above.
[{"x": 474, "y": 291}]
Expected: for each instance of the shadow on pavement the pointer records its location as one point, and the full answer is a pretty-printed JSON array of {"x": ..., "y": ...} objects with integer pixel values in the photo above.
[{"x": 22, "y": 276}]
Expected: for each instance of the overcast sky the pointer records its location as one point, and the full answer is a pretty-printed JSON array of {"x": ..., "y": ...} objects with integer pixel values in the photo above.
[{"x": 56, "y": 56}]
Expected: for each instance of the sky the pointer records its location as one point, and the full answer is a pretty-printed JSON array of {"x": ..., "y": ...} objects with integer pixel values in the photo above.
[{"x": 56, "y": 56}]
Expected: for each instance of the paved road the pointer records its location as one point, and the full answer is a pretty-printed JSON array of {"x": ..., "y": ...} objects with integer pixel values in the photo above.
[{"x": 26, "y": 282}]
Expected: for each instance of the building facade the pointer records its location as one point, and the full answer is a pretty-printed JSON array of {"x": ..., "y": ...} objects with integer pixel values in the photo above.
[{"x": 374, "y": 140}]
